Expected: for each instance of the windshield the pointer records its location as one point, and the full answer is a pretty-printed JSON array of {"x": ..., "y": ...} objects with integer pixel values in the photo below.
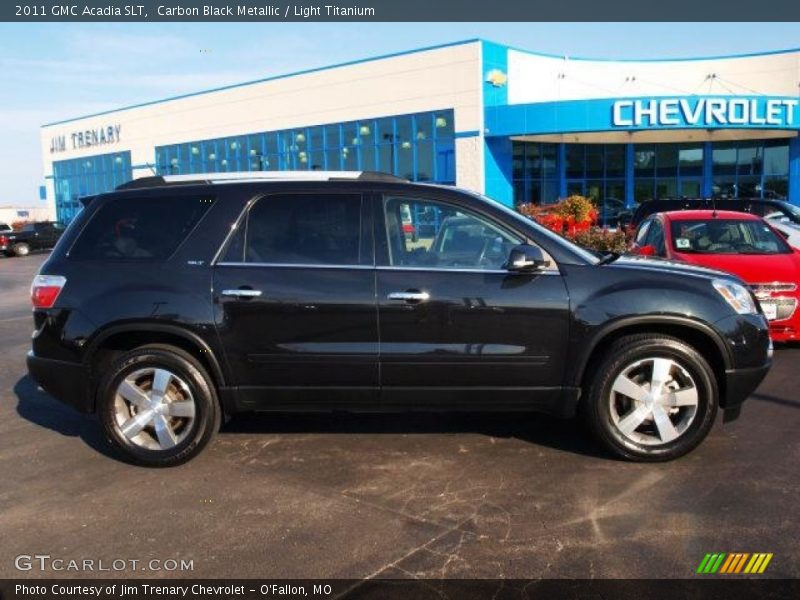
[
  {"x": 726, "y": 236},
  {"x": 590, "y": 257}
]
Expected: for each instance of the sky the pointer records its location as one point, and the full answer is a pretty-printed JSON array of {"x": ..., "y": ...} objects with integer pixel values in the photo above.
[{"x": 50, "y": 72}]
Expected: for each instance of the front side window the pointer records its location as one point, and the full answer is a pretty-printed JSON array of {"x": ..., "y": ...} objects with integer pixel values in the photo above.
[
  {"x": 425, "y": 233},
  {"x": 139, "y": 228},
  {"x": 314, "y": 229},
  {"x": 726, "y": 236}
]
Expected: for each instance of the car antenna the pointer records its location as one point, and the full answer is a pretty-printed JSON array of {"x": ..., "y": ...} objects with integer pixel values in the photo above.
[{"x": 714, "y": 206}]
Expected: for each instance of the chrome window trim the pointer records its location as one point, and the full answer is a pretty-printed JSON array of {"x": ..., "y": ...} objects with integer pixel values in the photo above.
[
  {"x": 550, "y": 271},
  {"x": 381, "y": 268}
]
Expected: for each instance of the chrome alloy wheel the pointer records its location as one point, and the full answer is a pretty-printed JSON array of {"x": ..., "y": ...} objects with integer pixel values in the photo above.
[
  {"x": 653, "y": 401},
  {"x": 154, "y": 409}
]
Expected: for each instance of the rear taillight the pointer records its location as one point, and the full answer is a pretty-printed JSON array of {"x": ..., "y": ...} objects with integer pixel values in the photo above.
[
  {"x": 45, "y": 290},
  {"x": 3, "y": 240}
]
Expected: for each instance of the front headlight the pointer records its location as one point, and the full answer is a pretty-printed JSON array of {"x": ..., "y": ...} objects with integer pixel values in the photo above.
[{"x": 736, "y": 295}]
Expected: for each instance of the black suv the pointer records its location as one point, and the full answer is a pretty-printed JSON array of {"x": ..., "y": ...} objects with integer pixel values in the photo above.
[{"x": 173, "y": 302}]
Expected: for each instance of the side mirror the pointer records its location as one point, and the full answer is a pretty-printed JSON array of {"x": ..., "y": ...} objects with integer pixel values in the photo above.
[
  {"x": 646, "y": 250},
  {"x": 526, "y": 259}
]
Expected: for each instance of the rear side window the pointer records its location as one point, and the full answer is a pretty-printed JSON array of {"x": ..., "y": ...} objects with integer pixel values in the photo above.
[
  {"x": 139, "y": 228},
  {"x": 314, "y": 229}
]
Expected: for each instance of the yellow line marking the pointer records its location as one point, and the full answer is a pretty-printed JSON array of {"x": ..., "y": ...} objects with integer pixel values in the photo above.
[
  {"x": 750, "y": 564},
  {"x": 765, "y": 563}
]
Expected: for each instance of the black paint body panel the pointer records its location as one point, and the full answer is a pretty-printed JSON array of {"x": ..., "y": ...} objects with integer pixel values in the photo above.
[{"x": 325, "y": 338}]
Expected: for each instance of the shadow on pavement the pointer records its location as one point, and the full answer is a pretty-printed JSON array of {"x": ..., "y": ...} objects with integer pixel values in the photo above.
[
  {"x": 541, "y": 430},
  {"x": 38, "y": 407}
]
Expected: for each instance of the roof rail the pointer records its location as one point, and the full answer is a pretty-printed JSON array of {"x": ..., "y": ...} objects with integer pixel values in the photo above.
[{"x": 245, "y": 176}]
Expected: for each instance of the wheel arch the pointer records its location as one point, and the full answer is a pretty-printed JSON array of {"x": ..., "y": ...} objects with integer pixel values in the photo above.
[
  {"x": 698, "y": 335},
  {"x": 114, "y": 341}
]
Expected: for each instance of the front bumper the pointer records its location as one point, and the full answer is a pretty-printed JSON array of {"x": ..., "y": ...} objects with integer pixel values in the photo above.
[
  {"x": 740, "y": 383},
  {"x": 66, "y": 381}
]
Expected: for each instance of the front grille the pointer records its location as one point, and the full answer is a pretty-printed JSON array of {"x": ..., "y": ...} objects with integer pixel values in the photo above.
[
  {"x": 784, "y": 307},
  {"x": 775, "y": 286}
]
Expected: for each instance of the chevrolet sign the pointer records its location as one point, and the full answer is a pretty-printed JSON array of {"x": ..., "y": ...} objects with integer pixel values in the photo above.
[{"x": 706, "y": 112}]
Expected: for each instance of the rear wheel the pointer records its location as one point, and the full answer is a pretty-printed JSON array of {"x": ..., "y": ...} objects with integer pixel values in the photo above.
[
  {"x": 21, "y": 249},
  {"x": 159, "y": 406},
  {"x": 652, "y": 398}
]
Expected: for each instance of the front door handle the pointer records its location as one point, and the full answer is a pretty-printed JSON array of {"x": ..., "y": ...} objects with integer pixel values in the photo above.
[
  {"x": 410, "y": 296},
  {"x": 242, "y": 293}
]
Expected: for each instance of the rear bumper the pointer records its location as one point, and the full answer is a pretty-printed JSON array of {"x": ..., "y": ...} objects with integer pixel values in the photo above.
[{"x": 65, "y": 381}]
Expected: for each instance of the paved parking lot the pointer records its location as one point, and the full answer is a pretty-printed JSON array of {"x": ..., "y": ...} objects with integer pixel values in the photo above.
[{"x": 354, "y": 496}]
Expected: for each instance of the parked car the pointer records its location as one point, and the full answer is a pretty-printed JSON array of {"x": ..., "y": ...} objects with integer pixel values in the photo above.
[
  {"x": 613, "y": 213},
  {"x": 5, "y": 228},
  {"x": 786, "y": 226},
  {"x": 756, "y": 206},
  {"x": 34, "y": 236},
  {"x": 173, "y": 301},
  {"x": 738, "y": 243}
]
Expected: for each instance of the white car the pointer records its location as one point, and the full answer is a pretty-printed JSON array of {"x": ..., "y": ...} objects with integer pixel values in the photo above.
[
  {"x": 786, "y": 226},
  {"x": 5, "y": 228}
]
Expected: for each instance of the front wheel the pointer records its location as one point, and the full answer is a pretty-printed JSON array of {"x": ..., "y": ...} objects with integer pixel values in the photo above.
[
  {"x": 158, "y": 405},
  {"x": 652, "y": 398},
  {"x": 21, "y": 250}
]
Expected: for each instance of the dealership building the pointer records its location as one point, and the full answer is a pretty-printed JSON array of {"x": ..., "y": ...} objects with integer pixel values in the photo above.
[{"x": 517, "y": 125}]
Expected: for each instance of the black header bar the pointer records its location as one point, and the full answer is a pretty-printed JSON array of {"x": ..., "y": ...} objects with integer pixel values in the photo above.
[
  {"x": 399, "y": 10},
  {"x": 705, "y": 587}
]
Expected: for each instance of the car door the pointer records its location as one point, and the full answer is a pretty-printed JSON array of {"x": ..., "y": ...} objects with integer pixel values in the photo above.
[
  {"x": 295, "y": 302},
  {"x": 457, "y": 330}
]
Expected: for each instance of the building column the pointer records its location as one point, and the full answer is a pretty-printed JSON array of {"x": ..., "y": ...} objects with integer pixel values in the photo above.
[
  {"x": 561, "y": 164},
  {"x": 629, "y": 179},
  {"x": 794, "y": 170},
  {"x": 707, "y": 189},
  {"x": 498, "y": 166}
]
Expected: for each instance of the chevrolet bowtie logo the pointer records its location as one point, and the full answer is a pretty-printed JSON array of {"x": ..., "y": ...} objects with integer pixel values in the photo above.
[{"x": 496, "y": 77}]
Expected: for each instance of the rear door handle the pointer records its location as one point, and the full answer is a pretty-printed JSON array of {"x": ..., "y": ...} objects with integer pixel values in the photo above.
[
  {"x": 410, "y": 296},
  {"x": 242, "y": 293}
]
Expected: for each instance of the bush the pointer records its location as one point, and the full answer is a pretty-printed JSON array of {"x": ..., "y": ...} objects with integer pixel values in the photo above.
[
  {"x": 567, "y": 217},
  {"x": 577, "y": 209},
  {"x": 602, "y": 240},
  {"x": 19, "y": 225}
]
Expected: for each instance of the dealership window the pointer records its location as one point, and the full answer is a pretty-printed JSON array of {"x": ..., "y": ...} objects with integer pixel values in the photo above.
[
  {"x": 597, "y": 171},
  {"x": 667, "y": 171},
  {"x": 751, "y": 169},
  {"x": 73, "y": 179},
  {"x": 535, "y": 172},
  {"x": 419, "y": 147}
]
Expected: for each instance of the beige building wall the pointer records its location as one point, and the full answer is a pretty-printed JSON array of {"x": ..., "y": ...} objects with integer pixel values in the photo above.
[{"x": 440, "y": 78}]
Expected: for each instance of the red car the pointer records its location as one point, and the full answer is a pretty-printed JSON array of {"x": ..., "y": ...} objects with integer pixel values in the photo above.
[{"x": 739, "y": 243}]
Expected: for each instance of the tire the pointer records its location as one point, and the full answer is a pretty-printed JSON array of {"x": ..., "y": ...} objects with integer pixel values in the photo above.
[
  {"x": 158, "y": 430},
  {"x": 657, "y": 427},
  {"x": 21, "y": 250}
]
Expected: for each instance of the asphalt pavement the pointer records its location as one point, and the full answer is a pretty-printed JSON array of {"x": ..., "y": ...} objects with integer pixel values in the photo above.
[{"x": 343, "y": 496}]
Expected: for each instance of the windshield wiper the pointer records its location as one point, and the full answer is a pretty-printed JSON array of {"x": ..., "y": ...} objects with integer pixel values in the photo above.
[{"x": 609, "y": 258}]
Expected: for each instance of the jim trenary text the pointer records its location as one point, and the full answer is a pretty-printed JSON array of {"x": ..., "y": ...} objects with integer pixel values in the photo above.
[{"x": 125, "y": 590}]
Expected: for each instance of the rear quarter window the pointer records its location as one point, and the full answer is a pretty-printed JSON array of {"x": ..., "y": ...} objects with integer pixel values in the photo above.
[{"x": 139, "y": 228}]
